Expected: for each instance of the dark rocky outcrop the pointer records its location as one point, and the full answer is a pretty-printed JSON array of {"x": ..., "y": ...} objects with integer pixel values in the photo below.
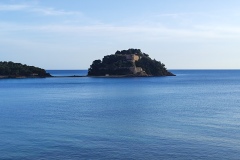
[{"x": 131, "y": 62}]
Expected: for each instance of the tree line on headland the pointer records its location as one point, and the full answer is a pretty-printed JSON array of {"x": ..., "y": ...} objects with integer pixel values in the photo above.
[{"x": 13, "y": 70}]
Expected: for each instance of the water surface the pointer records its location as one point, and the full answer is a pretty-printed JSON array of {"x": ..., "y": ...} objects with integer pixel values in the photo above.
[{"x": 194, "y": 115}]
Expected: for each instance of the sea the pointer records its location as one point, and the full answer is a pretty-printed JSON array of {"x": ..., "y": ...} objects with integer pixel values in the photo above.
[{"x": 193, "y": 115}]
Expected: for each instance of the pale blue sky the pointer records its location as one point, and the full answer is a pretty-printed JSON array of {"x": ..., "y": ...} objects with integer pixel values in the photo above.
[{"x": 70, "y": 34}]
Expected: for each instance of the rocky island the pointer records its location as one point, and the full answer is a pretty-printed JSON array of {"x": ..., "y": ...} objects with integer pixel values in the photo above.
[
  {"x": 128, "y": 63},
  {"x": 18, "y": 70}
]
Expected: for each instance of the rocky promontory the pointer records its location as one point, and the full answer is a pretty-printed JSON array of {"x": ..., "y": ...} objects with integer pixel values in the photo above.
[{"x": 129, "y": 63}]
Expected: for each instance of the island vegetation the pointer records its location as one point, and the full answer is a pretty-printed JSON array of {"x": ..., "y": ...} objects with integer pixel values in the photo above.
[
  {"x": 131, "y": 62},
  {"x": 125, "y": 63},
  {"x": 18, "y": 70}
]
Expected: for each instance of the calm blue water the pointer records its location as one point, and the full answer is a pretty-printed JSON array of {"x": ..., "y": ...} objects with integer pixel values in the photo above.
[
  {"x": 67, "y": 72},
  {"x": 195, "y": 115}
]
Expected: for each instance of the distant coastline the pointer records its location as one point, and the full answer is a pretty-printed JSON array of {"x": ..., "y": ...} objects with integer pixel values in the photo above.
[{"x": 125, "y": 63}]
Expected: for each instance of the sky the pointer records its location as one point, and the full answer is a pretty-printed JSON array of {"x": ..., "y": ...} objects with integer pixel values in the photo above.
[{"x": 64, "y": 34}]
